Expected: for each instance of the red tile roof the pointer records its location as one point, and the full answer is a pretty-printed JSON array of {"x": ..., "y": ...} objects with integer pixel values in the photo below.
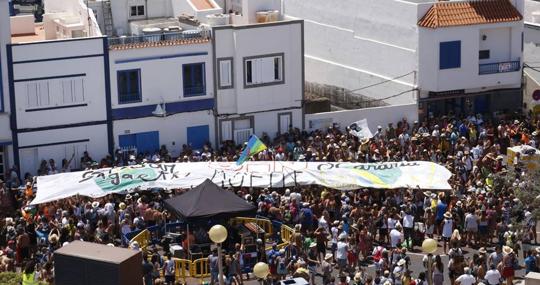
[{"x": 449, "y": 14}]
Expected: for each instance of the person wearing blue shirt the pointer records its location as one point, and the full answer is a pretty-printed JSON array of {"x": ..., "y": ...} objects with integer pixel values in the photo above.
[
  {"x": 441, "y": 209},
  {"x": 530, "y": 262}
]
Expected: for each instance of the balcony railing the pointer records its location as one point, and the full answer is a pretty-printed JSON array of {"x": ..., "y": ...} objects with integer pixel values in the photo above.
[
  {"x": 170, "y": 36},
  {"x": 499, "y": 67}
]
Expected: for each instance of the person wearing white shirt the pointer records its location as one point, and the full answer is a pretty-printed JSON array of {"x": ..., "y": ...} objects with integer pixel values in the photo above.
[
  {"x": 341, "y": 253},
  {"x": 408, "y": 225},
  {"x": 471, "y": 226},
  {"x": 493, "y": 276},
  {"x": 466, "y": 278},
  {"x": 396, "y": 236}
]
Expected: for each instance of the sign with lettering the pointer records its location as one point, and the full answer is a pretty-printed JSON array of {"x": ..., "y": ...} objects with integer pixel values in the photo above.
[{"x": 268, "y": 174}]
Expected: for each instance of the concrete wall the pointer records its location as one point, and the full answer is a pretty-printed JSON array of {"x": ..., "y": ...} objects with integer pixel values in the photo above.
[
  {"x": 172, "y": 129},
  {"x": 161, "y": 72},
  {"x": 87, "y": 67},
  {"x": 30, "y": 157},
  {"x": 504, "y": 39},
  {"x": 154, "y": 9},
  {"x": 375, "y": 116},
  {"x": 23, "y": 24},
  {"x": 376, "y": 42}
]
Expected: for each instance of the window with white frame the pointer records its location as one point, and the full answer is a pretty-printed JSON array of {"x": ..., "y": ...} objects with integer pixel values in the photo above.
[
  {"x": 37, "y": 94},
  {"x": 225, "y": 73},
  {"x": 136, "y": 10},
  {"x": 263, "y": 70}
]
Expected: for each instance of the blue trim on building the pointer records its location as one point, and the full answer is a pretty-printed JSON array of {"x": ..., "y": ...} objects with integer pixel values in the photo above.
[
  {"x": 13, "y": 109},
  {"x": 171, "y": 108},
  {"x": 50, "y": 77},
  {"x": 108, "y": 98},
  {"x": 55, "y": 143},
  {"x": 57, "y": 58},
  {"x": 160, "y": 57},
  {"x": 4, "y": 143},
  {"x": 56, "y": 107}
]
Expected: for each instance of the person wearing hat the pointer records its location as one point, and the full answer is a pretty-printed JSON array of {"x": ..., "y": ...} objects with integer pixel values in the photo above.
[
  {"x": 326, "y": 268},
  {"x": 447, "y": 229},
  {"x": 509, "y": 262}
]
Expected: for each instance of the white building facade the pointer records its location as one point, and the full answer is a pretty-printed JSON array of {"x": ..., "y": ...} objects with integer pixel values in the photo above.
[
  {"x": 387, "y": 50},
  {"x": 161, "y": 79},
  {"x": 259, "y": 79},
  {"x": 178, "y": 79}
]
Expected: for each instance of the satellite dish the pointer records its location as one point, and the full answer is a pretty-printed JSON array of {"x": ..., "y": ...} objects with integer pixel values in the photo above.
[{"x": 160, "y": 111}]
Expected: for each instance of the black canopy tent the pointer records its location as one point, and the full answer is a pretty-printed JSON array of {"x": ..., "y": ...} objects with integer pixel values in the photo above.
[{"x": 208, "y": 200}]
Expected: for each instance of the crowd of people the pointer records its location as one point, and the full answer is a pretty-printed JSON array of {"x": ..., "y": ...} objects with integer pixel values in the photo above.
[{"x": 337, "y": 235}]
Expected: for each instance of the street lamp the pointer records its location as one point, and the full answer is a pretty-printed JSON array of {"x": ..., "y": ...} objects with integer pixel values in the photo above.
[
  {"x": 218, "y": 234},
  {"x": 429, "y": 246},
  {"x": 261, "y": 270}
]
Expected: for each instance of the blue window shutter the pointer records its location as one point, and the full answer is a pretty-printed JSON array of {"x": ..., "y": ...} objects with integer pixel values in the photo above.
[
  {"x": 197, "y": 136},
  {"x": 450, "y": 55},
  {"x": 147, "y": 142},
  {"x": 127, "y": 140}
]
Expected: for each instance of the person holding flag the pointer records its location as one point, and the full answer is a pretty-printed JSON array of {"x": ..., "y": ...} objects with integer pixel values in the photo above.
[{"x": 253, "y": 146}]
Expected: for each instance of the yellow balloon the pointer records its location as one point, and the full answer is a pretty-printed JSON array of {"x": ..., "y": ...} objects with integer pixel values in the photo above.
[
  {"x": 429, "y": 245},
  {"x": 261, "y": 270},
  {"x": 218, "y": 233}
]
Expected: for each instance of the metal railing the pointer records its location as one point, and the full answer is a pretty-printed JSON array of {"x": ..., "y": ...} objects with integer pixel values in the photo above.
[
  {"x": 499, "y": 67},
  {"x": 168, "y": 36}
]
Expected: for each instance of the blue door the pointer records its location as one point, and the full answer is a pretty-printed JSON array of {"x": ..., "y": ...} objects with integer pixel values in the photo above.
[
  {"x": 144, "y": 142},
  {"x": 197, "y": 136}
]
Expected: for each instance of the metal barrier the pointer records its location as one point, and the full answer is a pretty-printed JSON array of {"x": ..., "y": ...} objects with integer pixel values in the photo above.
[
  {"x": 182, "y": 268},
  {"x": 200, "y": 268},
  {"x": 265, "y": 224},
  {"x": 143, "y": 238},
  {"x": 286, "y": 233}
]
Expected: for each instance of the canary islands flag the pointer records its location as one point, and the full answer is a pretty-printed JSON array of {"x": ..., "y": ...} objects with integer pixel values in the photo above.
[{"x": 254, "y": 146}]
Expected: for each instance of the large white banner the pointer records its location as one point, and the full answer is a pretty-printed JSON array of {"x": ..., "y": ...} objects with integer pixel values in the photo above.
[{"x": 337, "y": 175}]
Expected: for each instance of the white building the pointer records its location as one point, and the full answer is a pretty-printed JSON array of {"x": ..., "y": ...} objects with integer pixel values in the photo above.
[
  {"x": 259, "y": 71},
  {"x": 531, "y": 54},
  {"x": 460, "y": 56},
  {"x": 5, "y": 129},
  {"x": 57, "y": 88},
  {"x": 165, "y": 75},
  {"x": 177, "y": 79}
]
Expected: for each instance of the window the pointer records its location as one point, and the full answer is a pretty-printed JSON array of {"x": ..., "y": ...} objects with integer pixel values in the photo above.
[
  {"x": 263, "y": 70},
  {"x": 450, "y": 55},
  {"x": 136, "y": 11},
  {"x": 225, "y": 73},
  {"x": 194, "y": 79},
  {"x": 129, "y": 86},
  {"x": 72, "y": 91},
  {"x": 37, "y": 94},
  {"x": 484, "y": 54}
]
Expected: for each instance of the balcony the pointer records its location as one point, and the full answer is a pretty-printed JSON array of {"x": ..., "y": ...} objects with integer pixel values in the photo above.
[
  {"x": 499, "y": 67},
  {"x": 169, "y": 38}
]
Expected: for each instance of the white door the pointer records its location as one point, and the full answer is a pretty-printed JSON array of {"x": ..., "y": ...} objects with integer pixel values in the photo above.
[
  {"x": 29, "y": 160},
  {"x": 284, "y": 121},
  {"x": 226, "y": 131}
]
